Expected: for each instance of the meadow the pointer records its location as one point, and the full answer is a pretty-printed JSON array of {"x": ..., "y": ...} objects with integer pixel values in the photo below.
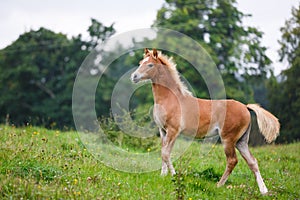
[{"x": 36, "y": 163}]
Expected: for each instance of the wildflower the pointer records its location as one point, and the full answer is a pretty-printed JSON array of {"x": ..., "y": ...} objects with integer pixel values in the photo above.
[
  {"x": 56, "y": 133},
  {"x": 88, "y": 179},
  {"x": 77, "y": 193},
  {"x": 229, "y": 187},
  {"x": 35, "y": 133},
  {"x": 75, "y": 181}
]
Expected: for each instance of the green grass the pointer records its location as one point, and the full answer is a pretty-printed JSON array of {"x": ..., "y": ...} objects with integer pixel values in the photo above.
[{"x": 37, "y": 163}]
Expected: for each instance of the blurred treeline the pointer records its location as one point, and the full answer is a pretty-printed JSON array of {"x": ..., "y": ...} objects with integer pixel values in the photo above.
[{"x": 38, "y": 70}]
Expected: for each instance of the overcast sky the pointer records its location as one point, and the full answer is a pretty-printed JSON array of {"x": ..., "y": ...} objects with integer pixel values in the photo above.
[{"x": 72, "y": 17}]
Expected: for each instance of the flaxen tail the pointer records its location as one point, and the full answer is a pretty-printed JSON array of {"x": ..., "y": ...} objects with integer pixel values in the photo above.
[{"x": 268, "y": 124}]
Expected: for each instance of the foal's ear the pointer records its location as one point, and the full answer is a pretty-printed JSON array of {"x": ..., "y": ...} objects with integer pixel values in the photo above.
[
  {"x": 146, "y": 51},
  {"x": 154, "y": 51}
]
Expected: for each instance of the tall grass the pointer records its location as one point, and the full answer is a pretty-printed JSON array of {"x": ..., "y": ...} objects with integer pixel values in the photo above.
[{"x": 36, "y": 163}]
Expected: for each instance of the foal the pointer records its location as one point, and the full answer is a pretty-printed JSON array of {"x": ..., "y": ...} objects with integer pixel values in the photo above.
[{"x": 176, "y": 110}]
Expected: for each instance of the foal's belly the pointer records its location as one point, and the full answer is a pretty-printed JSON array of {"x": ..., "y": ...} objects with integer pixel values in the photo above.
[{"x": 197, "y": 132}]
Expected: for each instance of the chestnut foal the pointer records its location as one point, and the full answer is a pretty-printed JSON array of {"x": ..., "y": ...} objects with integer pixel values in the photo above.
[{"x": 176, "y": 110}]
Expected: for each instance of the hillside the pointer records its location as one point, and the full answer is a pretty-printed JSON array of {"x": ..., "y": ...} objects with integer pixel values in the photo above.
[{"x": 36, "y": 163}]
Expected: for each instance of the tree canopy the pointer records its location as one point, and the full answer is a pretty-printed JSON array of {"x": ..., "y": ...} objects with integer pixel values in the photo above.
[
  {"x": 285, "y": 93},
  {"x": 217, "y": 25},
  {"x": 37, "y": 74}
]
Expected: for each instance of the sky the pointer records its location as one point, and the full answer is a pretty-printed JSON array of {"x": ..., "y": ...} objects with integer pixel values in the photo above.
[{"x": 72, "y": 17}]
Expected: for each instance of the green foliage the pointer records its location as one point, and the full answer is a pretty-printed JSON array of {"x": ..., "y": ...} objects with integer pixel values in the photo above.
[
  {"x": 179, "y": 179},
  {"x": 217, "y": 26},
  {"x": 37, "y": 74},
  {"x": 34, "y": 71},
  {"x": 285, "y": 93},
  {"x": 36, "y": 163},
  {"x": 98, "y": 32},
  {"x": 113, "y": 133}
]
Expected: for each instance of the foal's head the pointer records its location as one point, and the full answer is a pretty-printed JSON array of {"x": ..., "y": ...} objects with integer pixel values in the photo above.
[{"x": 148, "y": 68}]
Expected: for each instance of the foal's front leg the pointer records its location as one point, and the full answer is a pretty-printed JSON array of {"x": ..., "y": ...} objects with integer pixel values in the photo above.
[
  {"x": 164, "y": 167},
  {"x": 167, "y": 142}
]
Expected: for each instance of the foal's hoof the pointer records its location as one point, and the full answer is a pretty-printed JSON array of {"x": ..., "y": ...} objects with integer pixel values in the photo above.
[
  {"x": 164, "y": 173},
  {"x": 173, "y": 172},
  {"x": 264, "y": 191},
  {"x": 219, "y": 184}
]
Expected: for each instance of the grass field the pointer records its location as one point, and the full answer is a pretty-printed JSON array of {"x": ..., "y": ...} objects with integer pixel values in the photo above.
[{"x": 37, "y": 163}]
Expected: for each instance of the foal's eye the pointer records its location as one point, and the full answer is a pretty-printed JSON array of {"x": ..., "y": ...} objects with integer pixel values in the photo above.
[{"x": 150, "y": 65}]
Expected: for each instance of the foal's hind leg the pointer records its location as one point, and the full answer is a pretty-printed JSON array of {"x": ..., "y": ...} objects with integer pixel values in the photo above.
[
  {"x": 242, "y": 146},
  {"x": 231, "y": 159}
]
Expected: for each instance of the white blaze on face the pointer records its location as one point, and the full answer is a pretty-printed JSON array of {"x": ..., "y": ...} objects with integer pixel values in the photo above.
[
  {"x": 136, "y": 76},
  {"x": 145, "y": 60}
]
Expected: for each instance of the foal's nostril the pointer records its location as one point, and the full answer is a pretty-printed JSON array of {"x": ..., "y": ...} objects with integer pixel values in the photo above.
[{"x": 134, "y": 78}]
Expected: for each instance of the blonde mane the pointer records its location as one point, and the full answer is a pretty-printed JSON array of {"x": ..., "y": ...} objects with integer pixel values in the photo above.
[{"x": 168, "y": 61}]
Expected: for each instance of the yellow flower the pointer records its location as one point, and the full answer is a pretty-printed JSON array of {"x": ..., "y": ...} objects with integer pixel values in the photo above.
[
  {"x": 56, "y": 133},
  {"x": 75, "y": 181},
  {"x": 77, "y": 193},
  {"x": 35, "y": 133}
]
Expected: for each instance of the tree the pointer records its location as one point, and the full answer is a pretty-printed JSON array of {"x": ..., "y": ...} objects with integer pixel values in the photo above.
[
  {"x": 98, "y": 32},
  {"x": 30, "y": 70},
  {"x": 217, "y": 25},
  {"x": 37, "y": 74},
  {"x": 285, "y": 92}
]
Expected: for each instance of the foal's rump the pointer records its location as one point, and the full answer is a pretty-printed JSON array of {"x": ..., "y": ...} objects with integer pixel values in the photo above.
[
  {"x": 236, "y": 122},
  {"x": 238, "y": 119},
  {"x": 232, "y": 119}
]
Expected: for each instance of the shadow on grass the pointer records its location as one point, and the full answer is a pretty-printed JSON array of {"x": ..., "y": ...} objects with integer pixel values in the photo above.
[{"x": 208, "y": 174}]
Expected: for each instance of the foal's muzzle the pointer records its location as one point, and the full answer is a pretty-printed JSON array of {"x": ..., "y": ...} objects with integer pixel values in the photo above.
[{"x": 135, "y": 77}]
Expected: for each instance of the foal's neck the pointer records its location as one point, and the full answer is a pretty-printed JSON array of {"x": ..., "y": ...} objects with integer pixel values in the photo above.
[{"x": 164, "y": 86}]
